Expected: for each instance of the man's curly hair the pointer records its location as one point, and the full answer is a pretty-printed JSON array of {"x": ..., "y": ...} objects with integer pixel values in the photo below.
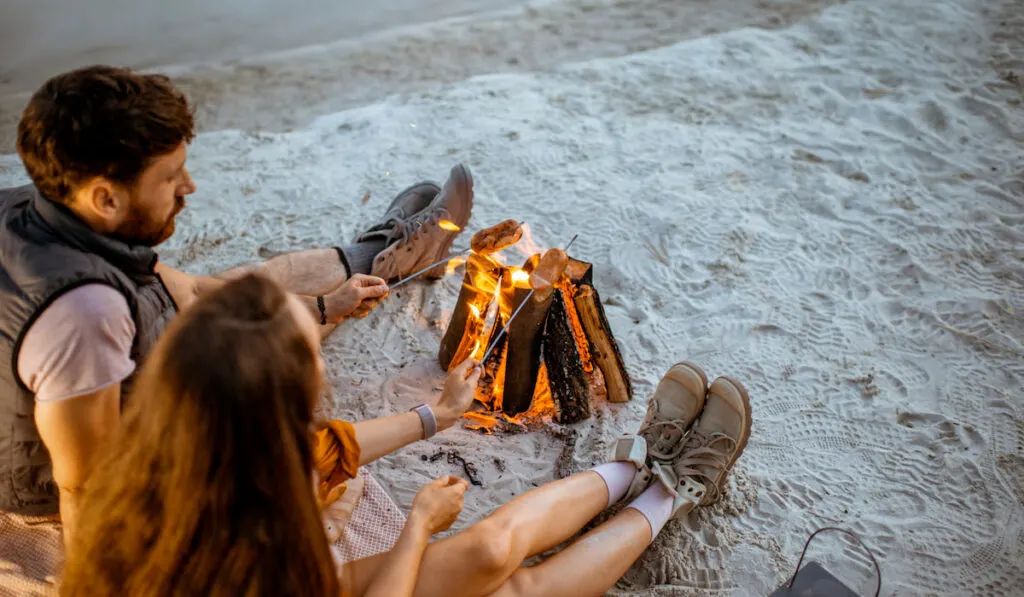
[{"x": 100, "y": 121}]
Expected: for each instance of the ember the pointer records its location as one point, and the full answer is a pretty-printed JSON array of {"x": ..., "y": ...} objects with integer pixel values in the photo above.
[{"x": 558, "y": 353}]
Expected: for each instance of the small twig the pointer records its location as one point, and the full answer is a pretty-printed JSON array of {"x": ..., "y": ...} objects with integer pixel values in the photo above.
[
  {"x": 658, "y": 253},
  {"x": 472, "y": 474}
]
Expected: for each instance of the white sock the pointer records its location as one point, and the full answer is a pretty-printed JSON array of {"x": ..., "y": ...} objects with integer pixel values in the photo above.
[
  {"x": 656, "y": 505},
  {"x": 617, "y": 476}
]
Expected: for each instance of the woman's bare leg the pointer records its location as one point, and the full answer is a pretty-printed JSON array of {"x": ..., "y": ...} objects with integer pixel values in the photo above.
[
  {"x": 590, "y": 566},
  {"x": 481, "y": 559}
]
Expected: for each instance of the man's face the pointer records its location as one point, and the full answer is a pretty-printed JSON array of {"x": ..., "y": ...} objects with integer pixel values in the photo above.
[{"x": 155, "y": 199}]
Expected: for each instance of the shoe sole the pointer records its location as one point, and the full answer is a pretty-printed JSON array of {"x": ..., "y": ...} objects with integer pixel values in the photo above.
[
  {"x": 741, "y": 442},
  {"x": 463, "y": 185}
]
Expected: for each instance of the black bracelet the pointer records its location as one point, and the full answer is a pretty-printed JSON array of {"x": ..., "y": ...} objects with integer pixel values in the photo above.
[{"x": 323, "y": 310}]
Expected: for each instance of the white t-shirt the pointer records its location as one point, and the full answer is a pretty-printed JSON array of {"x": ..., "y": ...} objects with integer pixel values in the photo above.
[{"x": 79, "y": 344}]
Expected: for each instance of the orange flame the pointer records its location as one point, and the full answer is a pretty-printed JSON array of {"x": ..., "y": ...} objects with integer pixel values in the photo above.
[
  {"x": 483, "y": 323},
  {"x": 526, "y": 245},
  {"x": 454, "y": 263},
  {"x": 520, "y": 277},
  {"x": 449, "y": 226}
]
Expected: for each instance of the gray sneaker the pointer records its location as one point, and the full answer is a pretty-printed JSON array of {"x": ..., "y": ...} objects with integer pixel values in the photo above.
[
  {"x": 670, "y": 413},
  {"x": 421, "y": 240},
  {"x": 715, "y": 442},
  {"x": 405, "y": 205}
]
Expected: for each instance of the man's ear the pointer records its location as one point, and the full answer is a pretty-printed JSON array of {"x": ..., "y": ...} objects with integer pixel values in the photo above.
[{"x": 99, "y": 202}]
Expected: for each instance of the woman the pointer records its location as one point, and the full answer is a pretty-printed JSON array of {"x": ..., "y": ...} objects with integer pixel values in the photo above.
[{"x": 209, "y": 488}]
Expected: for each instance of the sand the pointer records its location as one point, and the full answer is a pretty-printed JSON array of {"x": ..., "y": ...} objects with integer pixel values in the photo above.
[{"x": 827, "y": 208}]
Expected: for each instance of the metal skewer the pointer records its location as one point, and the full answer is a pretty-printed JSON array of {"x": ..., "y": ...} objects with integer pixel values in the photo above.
[
  {"x": 433, "y": 265},
  {"x": 487, "y": 353},
  {"x": 428, "y": 268}
]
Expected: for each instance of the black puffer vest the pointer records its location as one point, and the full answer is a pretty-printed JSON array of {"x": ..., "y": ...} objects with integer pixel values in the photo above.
[{"x": 46, "y": 251}]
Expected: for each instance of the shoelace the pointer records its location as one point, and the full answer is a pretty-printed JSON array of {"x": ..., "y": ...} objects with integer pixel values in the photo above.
[
  {"x": 407, "y": 231},
  {"x": 656, "y": 435},
  {"x": 703, "y": 453}
]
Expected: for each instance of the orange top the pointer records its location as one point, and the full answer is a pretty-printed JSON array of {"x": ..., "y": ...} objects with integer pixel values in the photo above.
[{"x": 336, "y": 459}]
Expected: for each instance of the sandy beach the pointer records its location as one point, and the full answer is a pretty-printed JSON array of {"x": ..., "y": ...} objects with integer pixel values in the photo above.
[{"x": 822, "y": 199}]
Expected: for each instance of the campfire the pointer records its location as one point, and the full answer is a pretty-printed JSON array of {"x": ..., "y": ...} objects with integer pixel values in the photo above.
[{"x": 556, "y": 356}]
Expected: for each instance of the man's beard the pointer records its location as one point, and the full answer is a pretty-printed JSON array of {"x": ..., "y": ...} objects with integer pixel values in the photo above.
[{"x": 140, "y": 229}]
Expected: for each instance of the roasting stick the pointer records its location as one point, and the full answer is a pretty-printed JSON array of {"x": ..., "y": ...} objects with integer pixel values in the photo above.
[
  {"x": 428, "y": 268},
  {"x": 433, "y": 265},
  {"x": 487, "y": 353}
]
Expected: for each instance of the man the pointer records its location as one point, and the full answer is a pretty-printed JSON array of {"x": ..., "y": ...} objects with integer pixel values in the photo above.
[{"x": 83, "y": 296}]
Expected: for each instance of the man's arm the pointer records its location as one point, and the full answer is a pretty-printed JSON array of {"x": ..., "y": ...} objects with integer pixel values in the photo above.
[
  {"x": 73, "y": 358},
  {"x": 73, "y": 431},
  {"x": 185, "y": 288},
  {"x": 355, "y": 298}
]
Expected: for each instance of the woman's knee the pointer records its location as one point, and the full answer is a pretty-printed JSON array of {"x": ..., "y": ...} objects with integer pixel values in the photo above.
[{"x": 492, "y": 546}]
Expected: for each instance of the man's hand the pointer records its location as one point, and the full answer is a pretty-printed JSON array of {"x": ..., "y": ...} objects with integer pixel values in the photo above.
[
  {"x": 458, "y": 393},
  {"x": 356, "y": 298}
]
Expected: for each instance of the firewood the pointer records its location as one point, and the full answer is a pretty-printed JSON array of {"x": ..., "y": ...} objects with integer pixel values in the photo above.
[
  {"x": 603, "y": 348},
  {"x": 580, "y": 272},
  {"x": 466, "y": 329},
  {"x": 522, "y": 356},
  {"x": 568, "y": 378}
]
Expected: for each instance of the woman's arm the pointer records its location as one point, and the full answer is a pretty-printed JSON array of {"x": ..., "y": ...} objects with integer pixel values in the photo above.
[
  {"x": 436, "y": 506},
  {"x": 397, "y": 577},
  {"x": 380, "y": 437}
]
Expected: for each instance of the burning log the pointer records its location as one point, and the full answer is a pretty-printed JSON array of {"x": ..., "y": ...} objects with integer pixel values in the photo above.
[
  {"x": 568, "y": 376},
  {"x": 489, "y": 388},
  {"x": 522, "y": 357},
  {"x": 467, "y": 323},
  {"x": 603, "y": 348},
  {"x": 556, "y": 357}
]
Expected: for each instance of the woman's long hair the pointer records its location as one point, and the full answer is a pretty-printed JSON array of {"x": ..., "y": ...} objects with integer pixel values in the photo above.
[{"x": 206, "y": 488}]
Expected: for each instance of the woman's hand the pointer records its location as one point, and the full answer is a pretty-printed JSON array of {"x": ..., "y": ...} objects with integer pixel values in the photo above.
[
  {"x": 434, "y": 509},
  {"x": 355, "y": 298},
  {"x": 438, "y": 504},
  {"x": 458, "y": 393}
]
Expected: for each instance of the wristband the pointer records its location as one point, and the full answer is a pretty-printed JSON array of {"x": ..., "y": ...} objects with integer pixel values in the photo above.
[{"x": 428, "y": 419}]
